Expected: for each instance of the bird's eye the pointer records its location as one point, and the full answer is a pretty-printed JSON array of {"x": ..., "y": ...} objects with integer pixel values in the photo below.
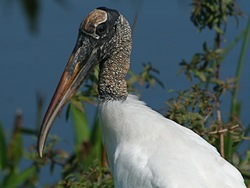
[{"x": 100, "y": 29}]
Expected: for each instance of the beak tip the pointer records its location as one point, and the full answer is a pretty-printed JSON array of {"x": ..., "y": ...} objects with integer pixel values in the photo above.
[
  {"x": 40, "y": 150},
  {"x": 40, "y": 153}
]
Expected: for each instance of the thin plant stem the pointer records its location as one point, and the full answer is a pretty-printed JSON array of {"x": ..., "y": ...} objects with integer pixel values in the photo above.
[{"x": 218, "y": 112}]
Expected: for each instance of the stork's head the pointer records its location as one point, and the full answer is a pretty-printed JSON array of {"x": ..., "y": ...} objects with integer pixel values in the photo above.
[{"x": 103, "y": 33}]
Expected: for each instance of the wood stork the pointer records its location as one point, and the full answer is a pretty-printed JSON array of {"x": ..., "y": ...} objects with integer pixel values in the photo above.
[{"x": 144, "y": 148}]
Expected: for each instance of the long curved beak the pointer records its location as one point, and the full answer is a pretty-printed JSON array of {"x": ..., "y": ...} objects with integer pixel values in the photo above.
[{"x": 81, "y": 61}]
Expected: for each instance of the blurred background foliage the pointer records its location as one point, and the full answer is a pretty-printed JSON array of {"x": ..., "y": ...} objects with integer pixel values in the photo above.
[{"x": 197, "y": 107}]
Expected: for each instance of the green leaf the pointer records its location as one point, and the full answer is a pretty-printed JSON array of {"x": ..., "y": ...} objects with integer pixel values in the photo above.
[
  {"x": 228, "y": 147},
  {"x": 82, "y": 132},
  {"x": 3, "y": 153},
  {"x": 96, "y": 141},
  {"x": 15, "y": 148},
  {"x": 240, "y": 66},
  {"x": 16, "y": 179},
  {"x": 200, "y": 75}
]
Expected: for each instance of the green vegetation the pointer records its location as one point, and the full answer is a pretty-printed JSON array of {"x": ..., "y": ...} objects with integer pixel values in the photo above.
[{"x": 197, "y": 107}]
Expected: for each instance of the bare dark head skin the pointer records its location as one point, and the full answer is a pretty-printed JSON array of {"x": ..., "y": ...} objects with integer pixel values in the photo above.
[{"x": 104, "y": 38}]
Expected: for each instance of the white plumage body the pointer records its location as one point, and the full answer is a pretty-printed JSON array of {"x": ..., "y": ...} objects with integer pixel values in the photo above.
[{"x": 147, "y": 150}]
